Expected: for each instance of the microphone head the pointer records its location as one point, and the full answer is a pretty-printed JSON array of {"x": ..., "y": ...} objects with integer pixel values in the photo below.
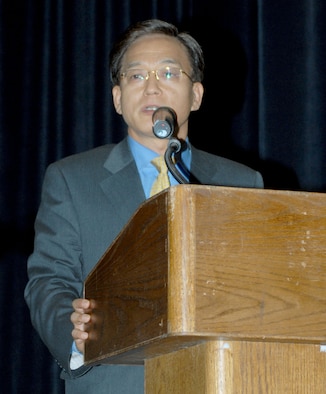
[{"x": 164, "y": 120}]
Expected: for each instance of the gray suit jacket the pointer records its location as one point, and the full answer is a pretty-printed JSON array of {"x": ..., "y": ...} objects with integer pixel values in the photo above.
[{"x": 86, "y": 200}]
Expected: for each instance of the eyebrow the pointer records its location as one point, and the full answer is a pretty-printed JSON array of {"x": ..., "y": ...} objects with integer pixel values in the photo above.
[{"x": 162, "y": 62}]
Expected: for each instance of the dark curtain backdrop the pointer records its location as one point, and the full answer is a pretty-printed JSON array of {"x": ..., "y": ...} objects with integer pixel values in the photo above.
[{"x": 264, "y": 105}]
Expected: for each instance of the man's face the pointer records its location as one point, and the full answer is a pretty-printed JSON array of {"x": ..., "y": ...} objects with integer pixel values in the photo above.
[{"x": 136, "y": 99}]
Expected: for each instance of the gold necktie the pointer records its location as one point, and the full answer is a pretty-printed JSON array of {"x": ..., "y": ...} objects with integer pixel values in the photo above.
[{"x": 162, "y": 181}]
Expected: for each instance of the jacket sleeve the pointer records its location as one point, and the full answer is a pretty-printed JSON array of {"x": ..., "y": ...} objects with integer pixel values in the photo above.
[{"x": 55, "y": 269}]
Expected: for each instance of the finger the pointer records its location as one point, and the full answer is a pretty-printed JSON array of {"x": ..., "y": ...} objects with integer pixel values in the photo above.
[
  {"x": 79, "y": 318},
  {"x": 79, "y": 335},
  {"x": 81, "y": 304}
]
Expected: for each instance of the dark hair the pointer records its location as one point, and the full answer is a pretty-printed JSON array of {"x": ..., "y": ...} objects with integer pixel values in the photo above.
[{"x": 155, "y": 26}]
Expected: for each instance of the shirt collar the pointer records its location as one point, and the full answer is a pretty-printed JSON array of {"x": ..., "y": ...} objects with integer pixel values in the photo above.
[{"x": 143, "y": 155}]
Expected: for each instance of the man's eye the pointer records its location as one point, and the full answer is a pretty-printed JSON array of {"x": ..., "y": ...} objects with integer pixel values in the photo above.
[
  {"x": 168, "y": 75},
  {"x": 136, "y": 76},
  {"x": 171, "y": 74}
]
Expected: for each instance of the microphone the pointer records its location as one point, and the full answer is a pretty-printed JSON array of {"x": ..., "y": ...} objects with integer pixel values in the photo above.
[{"x": 164, "y": 120}]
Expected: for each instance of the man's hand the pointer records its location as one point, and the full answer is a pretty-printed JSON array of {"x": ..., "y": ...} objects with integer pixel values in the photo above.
[{"x": 79, "y": 318}]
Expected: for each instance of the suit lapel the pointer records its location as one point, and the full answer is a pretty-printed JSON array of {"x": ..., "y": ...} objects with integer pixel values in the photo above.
[{"x": 122, "y": 182}]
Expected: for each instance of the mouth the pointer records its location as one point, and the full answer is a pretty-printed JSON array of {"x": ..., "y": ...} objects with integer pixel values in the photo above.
[{"x": 151, "y": 108}]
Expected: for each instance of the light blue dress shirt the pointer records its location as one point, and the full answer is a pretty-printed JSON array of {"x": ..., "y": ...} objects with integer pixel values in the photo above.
[{"x": 147, "y": 171}]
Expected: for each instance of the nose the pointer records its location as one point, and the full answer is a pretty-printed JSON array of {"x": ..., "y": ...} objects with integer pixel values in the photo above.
[{"x": 152, "y": 84}]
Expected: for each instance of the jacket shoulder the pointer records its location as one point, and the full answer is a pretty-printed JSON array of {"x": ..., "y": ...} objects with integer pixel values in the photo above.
[{"x": 217, "y": 170}]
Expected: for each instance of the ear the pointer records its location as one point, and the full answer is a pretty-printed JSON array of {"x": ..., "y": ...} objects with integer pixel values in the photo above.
[
  {"x": 116, "y": 95},
  {"x": 197, "y": 92}
]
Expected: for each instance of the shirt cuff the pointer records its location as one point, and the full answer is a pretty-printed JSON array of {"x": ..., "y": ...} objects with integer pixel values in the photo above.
[{"x": 77, "y": 358}]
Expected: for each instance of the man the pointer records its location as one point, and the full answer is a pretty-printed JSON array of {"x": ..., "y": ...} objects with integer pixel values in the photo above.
[{"x": 88, "y": 198}]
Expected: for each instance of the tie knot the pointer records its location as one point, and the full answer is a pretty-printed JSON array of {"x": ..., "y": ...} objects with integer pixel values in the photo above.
[{"x": 159, "y": 163}]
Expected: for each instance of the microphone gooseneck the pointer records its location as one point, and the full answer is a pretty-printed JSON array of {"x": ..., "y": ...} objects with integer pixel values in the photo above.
[{"x": 174, "y": 147}]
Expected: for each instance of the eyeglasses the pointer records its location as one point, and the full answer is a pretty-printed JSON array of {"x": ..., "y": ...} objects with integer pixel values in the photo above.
[{"x": 164, "y": 74}]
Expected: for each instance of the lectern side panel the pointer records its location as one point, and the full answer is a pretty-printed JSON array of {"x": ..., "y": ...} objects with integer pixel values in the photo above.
[{"x": 128, "y": 288}]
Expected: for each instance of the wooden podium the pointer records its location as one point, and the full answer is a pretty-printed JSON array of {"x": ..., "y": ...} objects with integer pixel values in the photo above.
[{"x": 216, "y": 290}]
